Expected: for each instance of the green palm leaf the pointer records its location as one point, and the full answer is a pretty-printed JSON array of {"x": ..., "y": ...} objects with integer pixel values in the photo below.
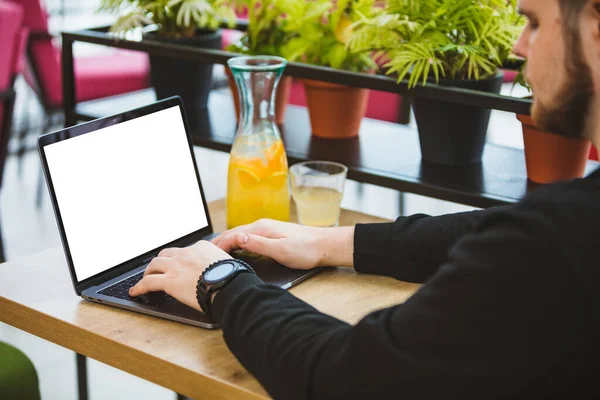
[
  {"x": 174, "y": 17},
  {"x": 460, "y": 39}
]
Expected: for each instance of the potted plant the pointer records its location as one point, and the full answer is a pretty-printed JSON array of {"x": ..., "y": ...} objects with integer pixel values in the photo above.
[
  {"x": 320, "y": 30},
  {"x": 265, "y": 36},
  {"x": 459, "y": 43},
  {"x": 181, "y": 22},
  {"x": 550, "y": 157}
]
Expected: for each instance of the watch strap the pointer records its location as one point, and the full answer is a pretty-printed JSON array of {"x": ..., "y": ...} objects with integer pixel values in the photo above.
[{"x": 204, "y": 293}]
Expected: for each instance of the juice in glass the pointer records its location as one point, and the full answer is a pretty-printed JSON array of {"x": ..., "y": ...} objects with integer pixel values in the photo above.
[
  {"x": 257, "y": 181},
  {"x": 317, "y": 189},
  {"x": 318, "y": 206}
]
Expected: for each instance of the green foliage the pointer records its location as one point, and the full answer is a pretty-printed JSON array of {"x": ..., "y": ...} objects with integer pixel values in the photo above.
[
  {"x": 520, "y": 78},
  {"x": 308, "y": 31},
  {"x": 320, "y": 28},
  {"x": 175, "y": 18},
  {"x": 455, "y": 39},
  {"x": 266, "y": 28}
]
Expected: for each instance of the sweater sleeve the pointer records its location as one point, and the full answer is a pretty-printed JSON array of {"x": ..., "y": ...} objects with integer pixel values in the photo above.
[
  {"x": 483, "y": 327},
  {"x": 412, "y": 248}
]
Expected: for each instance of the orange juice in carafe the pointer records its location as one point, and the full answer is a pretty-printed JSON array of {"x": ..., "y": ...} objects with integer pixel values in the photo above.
[{"x": 257, "y": 184}]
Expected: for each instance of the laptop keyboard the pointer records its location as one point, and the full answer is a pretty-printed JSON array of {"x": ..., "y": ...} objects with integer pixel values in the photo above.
[{"x": 120, "y": 290}]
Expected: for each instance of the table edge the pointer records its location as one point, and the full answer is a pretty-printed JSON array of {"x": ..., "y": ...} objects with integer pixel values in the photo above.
[{"x": 53, "y": 330}]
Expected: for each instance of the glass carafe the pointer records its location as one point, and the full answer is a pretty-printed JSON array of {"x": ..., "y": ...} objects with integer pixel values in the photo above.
[{"x": 257, "y": 183}]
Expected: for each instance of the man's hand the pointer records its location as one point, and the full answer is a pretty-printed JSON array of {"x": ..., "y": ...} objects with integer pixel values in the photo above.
[
  {"x": 295, "y": 246},
  {"x": 176, "y": 271}
]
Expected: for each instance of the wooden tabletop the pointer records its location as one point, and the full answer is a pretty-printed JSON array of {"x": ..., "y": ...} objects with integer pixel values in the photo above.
[{"x": 36, "y": 295}]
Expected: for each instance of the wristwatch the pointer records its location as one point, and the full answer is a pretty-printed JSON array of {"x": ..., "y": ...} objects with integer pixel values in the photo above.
[{"x": 216, "y": 277}]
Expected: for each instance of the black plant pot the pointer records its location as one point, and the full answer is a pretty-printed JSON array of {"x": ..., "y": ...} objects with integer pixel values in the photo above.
[
  {"x": 454, "y": 134},
  {"x": 188, "y": 79}
]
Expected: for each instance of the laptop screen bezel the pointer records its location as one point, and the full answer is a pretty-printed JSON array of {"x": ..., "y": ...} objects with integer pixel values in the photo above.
[{"x": 96, "y": 125}]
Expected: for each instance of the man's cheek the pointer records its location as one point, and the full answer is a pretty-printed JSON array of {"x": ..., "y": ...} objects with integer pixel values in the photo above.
[
  {"x": 541, "y": 74},
  {"x": 530, "y": 74}
]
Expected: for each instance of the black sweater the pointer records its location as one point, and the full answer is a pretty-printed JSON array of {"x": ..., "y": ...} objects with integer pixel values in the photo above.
[{"x": 509, "y": 310}]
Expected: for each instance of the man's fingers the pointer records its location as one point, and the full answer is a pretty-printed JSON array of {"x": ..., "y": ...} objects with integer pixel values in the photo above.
[
  {"x": 158, "y": 265},
  {"x": 230, "y": 232},
  {"x": 149, "y": 283},
  {"x": 259, "y": 244},
  {"x": 263, "y": 228},
  {"x": 228, "y": 242},
  {"x": 217, "y": 240},
  {"x": 170, "y": 252}
]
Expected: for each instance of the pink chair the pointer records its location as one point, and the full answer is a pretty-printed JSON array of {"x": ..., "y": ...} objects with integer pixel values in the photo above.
[
  {"x": 96, "y": 77},
  {"x": 13, "y": 37},
  {"x": 12, "y": 42}
]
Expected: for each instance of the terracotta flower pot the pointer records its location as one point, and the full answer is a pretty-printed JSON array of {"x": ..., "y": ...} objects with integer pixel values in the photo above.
[
  {"x": 282, "y": 96},
  {"x": 336, "y": 111},
  {"x": 550, "y": 157}
]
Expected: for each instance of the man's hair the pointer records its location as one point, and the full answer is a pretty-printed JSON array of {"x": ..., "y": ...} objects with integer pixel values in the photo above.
[
  {"x": 571, "y": 10},
  {"x": 576, "y": 98}
]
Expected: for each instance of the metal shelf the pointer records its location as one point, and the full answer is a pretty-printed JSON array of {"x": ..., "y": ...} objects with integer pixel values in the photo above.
[{"x": 385, "y": 154}]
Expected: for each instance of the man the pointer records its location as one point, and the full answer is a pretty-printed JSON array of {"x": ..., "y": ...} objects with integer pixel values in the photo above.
[{"x": 509, "y": 308}]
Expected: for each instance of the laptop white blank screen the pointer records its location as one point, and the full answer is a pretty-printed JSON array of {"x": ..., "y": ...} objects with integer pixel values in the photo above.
[{"x": 125, "y": 190}]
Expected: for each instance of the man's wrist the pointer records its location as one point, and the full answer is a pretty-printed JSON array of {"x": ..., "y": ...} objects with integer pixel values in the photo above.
[
  {"x": 211, "y": 282},
  {"x": 224, "y": 296},
  {"x": 336, "y": 246},
  {"x": 216, "y": 291}
]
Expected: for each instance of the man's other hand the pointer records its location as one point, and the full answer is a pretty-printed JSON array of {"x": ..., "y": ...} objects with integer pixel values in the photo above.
[
  {"x": 295, "y": 246},
  {"x": 176, "y": 271}
]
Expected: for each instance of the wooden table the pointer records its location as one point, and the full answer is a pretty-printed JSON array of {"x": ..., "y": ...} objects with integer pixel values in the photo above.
[{"x": 36, "y": 296}]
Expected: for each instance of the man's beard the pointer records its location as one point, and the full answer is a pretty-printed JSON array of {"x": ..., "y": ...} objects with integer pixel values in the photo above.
[{"x": 570, "y": 113}]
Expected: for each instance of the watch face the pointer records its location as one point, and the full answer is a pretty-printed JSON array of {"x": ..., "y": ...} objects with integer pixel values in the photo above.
[{"x": 219, "y": 273}]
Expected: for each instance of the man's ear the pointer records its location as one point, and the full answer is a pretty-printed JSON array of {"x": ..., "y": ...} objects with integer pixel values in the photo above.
[
  {"x": 594, "y": 60},
  {"x": 592, "y": 17}
]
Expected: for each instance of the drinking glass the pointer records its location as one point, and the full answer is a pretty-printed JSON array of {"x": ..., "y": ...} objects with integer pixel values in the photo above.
[{"x": 317, "y": 190}]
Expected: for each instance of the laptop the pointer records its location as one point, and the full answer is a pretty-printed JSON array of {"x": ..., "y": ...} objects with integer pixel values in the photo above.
[{"x": 125, "y": 187}]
